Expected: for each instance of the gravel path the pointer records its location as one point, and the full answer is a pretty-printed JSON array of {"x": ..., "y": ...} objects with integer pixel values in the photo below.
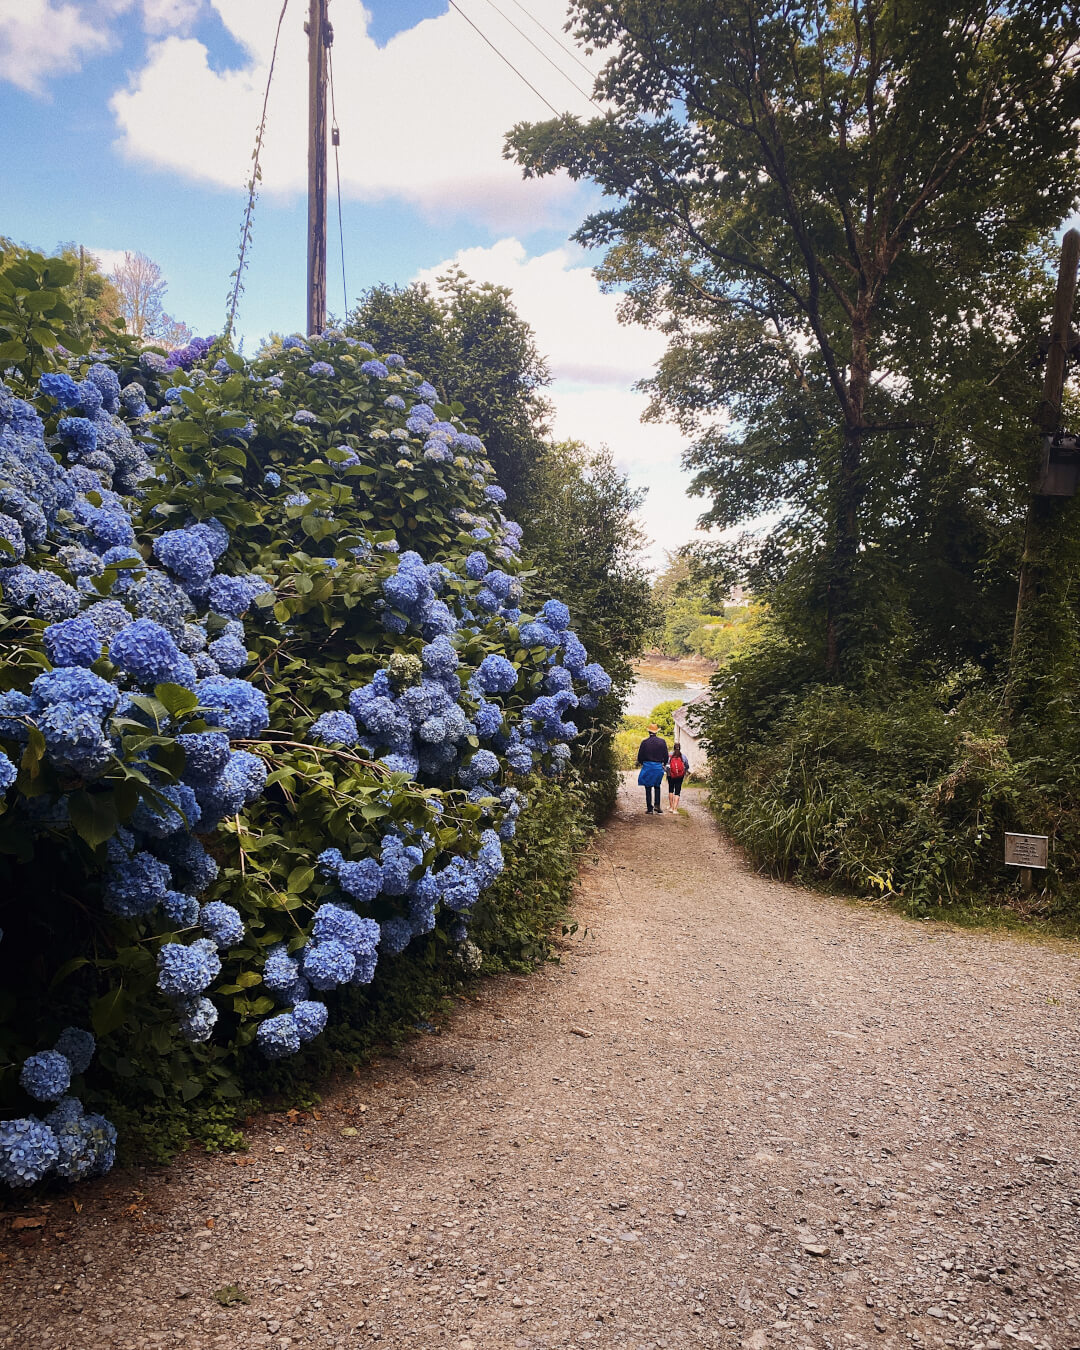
[{"x": 737, "y": 1114}]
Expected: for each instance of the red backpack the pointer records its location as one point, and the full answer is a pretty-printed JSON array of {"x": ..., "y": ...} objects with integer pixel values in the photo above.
[{"x": 676, "y": 766}]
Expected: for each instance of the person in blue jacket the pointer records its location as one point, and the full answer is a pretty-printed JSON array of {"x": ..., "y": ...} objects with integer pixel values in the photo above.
[{"x": 652, "y": 755}]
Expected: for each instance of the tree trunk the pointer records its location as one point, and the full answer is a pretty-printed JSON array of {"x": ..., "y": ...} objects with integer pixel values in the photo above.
[{"x": 847, "y": 501}]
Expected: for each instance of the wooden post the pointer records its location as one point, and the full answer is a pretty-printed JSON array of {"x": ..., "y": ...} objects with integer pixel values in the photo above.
[
  {"x": 319, "y": 38},
  {"x": 1045, "y": 514}
]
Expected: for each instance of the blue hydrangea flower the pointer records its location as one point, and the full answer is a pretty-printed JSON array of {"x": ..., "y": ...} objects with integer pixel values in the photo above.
[
  {"x": 234, "y": 705},
  {"x": 395, "y": 361},
  {"x": 232, "y": 597},
  {"x": 72, "y": 642},
  {"x": 181, "y": 909},
  {"x": 304, "y": 417},
  {"x": 537, "y": 634},
  {"x": 272, "y": 478},
  {"x": 574, "y": 655},
  {"x": 46, "y": 1076},
  {"x": 439, "y": 657},
  {"x": 281, "y": 972},
  {"x": 185, "y": 972},
  {"x": 222, "y": 924},
  {"x": 186, "y": 555},
  {"x": 328, "y": 964},
  {"x": 476, "y": 566},
  {"x": 335, "y": 728},
  {"x": 135, "y": 885},
  {"x": 278, "y": 1037},
  {"x": 61, "y": 387},
  {"x": 496, "y": 675},
  {"x": 28, "y": 1149},
  {"x": 396, "y": 935},
  {"x": 556, "y": 615},
  {"x": 147, "y": 652},
  {"x": 197, "y": 1019},
  {"x": 54, "y": 599},
  {"x": 597, "y": 680},
  {"x": 338, "y": 924},
  {"x": 8, "y": 772},
  {"x": 374, "y": 368},
  {"x": 395, "y": 402},
  {"x": 205, "y": 754},
  {"x": 230, "y": 654},
  {"x": 321, "y": 368},
  {"x": 77, "y": 1046},
  {"x": 310, "y": 1019}
]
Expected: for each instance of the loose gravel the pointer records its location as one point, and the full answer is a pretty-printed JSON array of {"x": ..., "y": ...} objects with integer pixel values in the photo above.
[{"x": 737, "y": 1115}]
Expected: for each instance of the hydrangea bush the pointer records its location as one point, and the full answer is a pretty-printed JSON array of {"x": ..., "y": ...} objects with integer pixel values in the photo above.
[{"x": 269, "y": 709}]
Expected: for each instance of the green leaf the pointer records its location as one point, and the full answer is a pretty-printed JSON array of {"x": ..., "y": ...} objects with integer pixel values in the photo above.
[
  {"x": 68, "y": 968},
  {"x": 108, "y": 1012},
  {"x": 300, "y": 878},
  {"x": 175, "y": 698},
  {"x": 93, "y": 815}
]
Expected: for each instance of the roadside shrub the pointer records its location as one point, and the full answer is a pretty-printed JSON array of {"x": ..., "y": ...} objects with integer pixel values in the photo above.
[
  {"x": 270, "y": 714},
  {"x": 907, "y": 792}
]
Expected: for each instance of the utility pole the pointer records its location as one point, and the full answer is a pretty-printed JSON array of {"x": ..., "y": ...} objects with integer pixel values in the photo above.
[
  {"x": 1043, "y": 632},
  {"x": 320, "y": 36}
]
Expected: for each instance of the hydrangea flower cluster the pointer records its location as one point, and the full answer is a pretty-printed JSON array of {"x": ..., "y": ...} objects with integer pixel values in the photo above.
[{"x": 68, "y": 1143}]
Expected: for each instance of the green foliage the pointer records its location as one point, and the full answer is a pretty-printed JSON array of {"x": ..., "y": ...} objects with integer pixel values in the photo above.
[
  {"x": 839, "y": 243},
  {"x": 905, "y": 792},
  {"x": 663, "y": 716}
]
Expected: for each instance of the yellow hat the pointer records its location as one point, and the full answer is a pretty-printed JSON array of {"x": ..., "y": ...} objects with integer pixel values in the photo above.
[{"x": 653, "y": 726}]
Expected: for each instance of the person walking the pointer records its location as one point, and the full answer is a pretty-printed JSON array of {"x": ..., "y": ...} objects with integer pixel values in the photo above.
[
  {"x": 652, "y": 755},
  {"x": 677, "y": 769}
]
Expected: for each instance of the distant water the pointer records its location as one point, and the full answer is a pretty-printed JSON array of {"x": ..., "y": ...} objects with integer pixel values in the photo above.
[{"x": 649, "y": 690}]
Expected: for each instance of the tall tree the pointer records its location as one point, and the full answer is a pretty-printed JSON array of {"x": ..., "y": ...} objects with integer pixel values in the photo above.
[
  {"x": 141, "y": 286},
  {"x": 815, "y": 198}
]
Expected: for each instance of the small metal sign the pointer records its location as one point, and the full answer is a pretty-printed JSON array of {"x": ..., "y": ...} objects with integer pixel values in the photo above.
[{"x": 1026, "y": 850}]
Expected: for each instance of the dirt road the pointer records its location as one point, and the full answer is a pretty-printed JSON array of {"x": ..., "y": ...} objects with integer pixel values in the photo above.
[{"x": 737, "y": 1114}]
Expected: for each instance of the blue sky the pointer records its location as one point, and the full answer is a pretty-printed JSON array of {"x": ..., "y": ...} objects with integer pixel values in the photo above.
[{"x": 130, "y": 123}]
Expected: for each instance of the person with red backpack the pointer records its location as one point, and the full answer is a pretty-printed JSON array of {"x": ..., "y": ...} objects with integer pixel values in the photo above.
[{"x": 677, "y": 769}]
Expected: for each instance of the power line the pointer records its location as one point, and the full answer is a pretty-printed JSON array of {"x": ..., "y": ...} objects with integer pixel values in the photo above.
[
  {"x": 335, "y": 141},
  {"x": 506, "y": 59},
  {"x": 256, "y": 178},
  {"x": 540, "y": 52},
  {"x": 555, "y": 38}
]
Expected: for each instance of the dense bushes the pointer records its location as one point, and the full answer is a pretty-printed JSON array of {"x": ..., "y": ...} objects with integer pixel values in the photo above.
[
  {"x": 273, "y": 704},
  {"x": 901, "y": 791}
]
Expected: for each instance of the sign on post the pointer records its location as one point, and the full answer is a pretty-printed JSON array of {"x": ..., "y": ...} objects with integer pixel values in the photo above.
[{"x": 1026, "y": 850}]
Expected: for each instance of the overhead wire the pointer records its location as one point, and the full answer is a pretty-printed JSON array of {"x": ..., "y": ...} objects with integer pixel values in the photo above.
[
  {"x": 540, "y": 52},
  {"x": 455, "y": 6},
  {"x": 335, "y": 141},
  {"x": 554, "y": 37},
  {"x": 256, "y": 177}
]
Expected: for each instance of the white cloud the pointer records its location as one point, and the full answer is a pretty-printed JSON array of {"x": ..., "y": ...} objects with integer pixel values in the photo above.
[
  {"x": 595, "y": 360},
  {"x": 576, "y": 325},
  {"x": 40, "y": 39},
  {"x": 422, "y": 118},
  {"x": 170, "y": 16}
]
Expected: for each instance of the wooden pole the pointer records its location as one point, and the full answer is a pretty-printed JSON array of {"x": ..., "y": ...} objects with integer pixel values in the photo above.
[
  {"x": 1044, "y": 513},
  {"x": 319, "y": 38}
]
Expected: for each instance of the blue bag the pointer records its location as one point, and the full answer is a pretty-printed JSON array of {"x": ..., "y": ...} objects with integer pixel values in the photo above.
[{"x": 651, "y": 775}]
